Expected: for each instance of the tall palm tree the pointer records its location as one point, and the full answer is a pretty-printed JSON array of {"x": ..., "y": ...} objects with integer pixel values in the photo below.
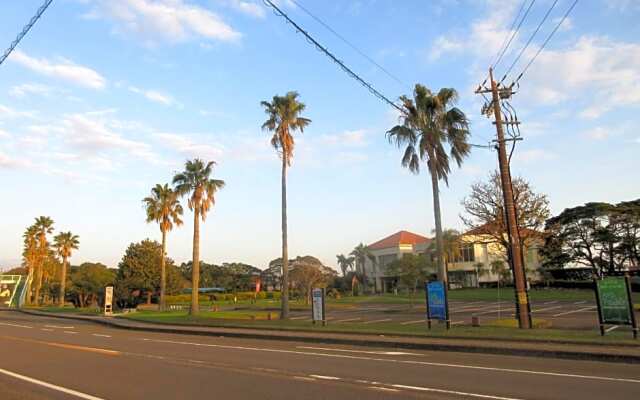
[
  {"x": 283, "y": 119},
  {"x": 30, "y": 255},
  {"x": 361, "y": 253},
  {"x": 345, "y": 263},
  {"x": 44, "y": 226},
  {"x": 64, "y": 243},
  {"x": 196, "y": 181},
  {"x": 430, "y": 123},
  {"x": 164, "y": 208}
]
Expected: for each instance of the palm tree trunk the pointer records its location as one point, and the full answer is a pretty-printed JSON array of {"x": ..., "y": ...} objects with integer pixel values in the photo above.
[
  {"x": 195, "y": 272},
  {"x": 27, "y": 298},
  {"x": 63, "y": 281},
  {"x": 442, "y": 270},
  {"x": 163, "y": 273},
  {"x": 284, "y": 312},
  {"x": 39, "y": 282}
]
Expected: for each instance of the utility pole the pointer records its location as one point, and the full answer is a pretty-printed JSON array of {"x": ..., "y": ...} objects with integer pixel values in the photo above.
[{"x": 516, "y": 260}]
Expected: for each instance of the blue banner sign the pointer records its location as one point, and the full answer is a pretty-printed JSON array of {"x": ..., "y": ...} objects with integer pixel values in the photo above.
[{"x": 436, "y": 301}]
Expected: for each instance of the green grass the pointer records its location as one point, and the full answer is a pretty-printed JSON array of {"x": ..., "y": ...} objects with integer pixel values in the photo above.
[{"x": 225, "y": 319}]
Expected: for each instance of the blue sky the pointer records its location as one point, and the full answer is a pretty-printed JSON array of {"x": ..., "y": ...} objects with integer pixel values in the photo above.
[{"x": 103, "y": 99}]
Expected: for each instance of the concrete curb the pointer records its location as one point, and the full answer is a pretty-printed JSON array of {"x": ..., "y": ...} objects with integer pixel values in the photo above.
[{"x": 345, "y": 339}]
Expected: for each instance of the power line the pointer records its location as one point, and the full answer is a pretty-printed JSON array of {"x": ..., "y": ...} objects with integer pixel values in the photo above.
[
  {"x": 547, "y": 41},
  {"x": 324, "y": 50},
  {"x": 24, "y": 31},
  {"x": 533, "y": 35},
  {"x": 505, "y": 45},
  {"x": 356, "y": 49}
]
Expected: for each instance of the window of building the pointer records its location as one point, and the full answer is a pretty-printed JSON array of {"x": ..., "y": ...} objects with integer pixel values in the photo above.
[
  {"x": 387, "y": 259},
  {"x": 467, "y": 254}
]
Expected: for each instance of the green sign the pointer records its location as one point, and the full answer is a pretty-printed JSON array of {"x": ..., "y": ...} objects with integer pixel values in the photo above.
[{"x": 614, "y": 301}]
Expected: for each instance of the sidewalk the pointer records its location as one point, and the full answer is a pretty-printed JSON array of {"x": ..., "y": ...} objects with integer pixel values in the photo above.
[{"x": 608, "y": 353}]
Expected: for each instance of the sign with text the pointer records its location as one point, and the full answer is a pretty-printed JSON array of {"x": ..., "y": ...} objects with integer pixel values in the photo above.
[
  {"x": 437, "y": 307},
  {"x": 8, "y": 289},
  {"x": 108, "y": 300},
  {"x": 317, "y": 305},
  {"x": 614, "y": 302}
]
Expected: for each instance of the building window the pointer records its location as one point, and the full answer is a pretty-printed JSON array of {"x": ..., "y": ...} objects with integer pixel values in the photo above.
[
  {"x": 467, "y": 254},
  {"x": 387, "y": 259}
]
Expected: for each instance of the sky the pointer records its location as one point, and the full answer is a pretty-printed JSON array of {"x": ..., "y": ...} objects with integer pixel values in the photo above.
[{"x": 105, "y": 98}]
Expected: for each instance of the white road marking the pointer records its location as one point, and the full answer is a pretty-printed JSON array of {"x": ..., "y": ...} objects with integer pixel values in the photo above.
[
  {"x": 386, "y": 353},
  {"x": 546, "y": 309},
  {"x": 382, "y": 388},
  {"x": 412, "y": 322},
  {"x": 50, "y": 385},
  {"x": 71, "y": 332},
  {"x": 304, "y": 378},
  {"x": 497, "y": 310},
  {"x": 580, "y": 302},
  {"x": 100, "y": 335},
  {"x": 349, "y": 320},
  {"x": 58, "y": 327},
  {"x": 575, "y": 311},
  {"x": 326, "y": 378},
  {"x": 294, "y": 318},
  {"x": 46, "y": 330},
  {"x": 465, "y": 394},
  {"x": 612, "y": 328},
  {"x": 378, "y": 320},
  {"x": 16, "y": 325},
  {"x": 550, "y": 302},
  {"x": 410, "y": 362}
]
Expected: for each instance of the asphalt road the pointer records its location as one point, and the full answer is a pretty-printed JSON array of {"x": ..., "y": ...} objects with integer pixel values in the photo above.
[
  {"x": 581, "y": 315},
  {"x": 48, "y": 358}
]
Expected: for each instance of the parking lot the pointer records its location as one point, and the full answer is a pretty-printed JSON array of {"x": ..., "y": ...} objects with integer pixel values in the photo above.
[{"x": 561, "y": 313}]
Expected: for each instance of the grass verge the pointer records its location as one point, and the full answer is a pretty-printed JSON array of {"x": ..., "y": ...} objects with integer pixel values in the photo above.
[{"x": 213, "y": 319}]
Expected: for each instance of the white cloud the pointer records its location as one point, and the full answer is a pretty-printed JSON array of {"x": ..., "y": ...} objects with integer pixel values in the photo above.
[
  {"x": 9, "y": 162},
  {"x": 346, "y": 138},
  {"x": 154, "y": 95},
  {"x": 93, "y": 137},
  {"x": 63, "y": 69},
  {"x": 250, "y": 8},
  {"x": 26, "y": 89},
  {"x": 8, "y": 112},
  {"x": 4, "y": 134},
  {"x": 170, "y": 21},
  {"x": 189, "y": 148},
  {"x": 598, "y": 133}
]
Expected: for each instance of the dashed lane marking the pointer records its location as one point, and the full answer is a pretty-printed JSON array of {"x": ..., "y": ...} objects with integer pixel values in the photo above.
[
  {"x": 49, "y": 385},
  {"x": 101, "y": 335},
  {"x": 59, "y": 327},
  {"x": 396, "y": 361},
  {"x": 326, "y": 378},
  {"x": 71, "y": 332},
  {"x": 575, "y": 311},
  {"x": 454, "y": 392},
  {"x": 412, "y": 322},
  {"x": 377, "y": 320},
  {"x": 16, "y": 325},
  {"x": 383, "y": 389}
]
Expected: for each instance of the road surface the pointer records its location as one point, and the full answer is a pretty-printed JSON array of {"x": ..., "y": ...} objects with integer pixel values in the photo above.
[{"x": 49, "y": 358}]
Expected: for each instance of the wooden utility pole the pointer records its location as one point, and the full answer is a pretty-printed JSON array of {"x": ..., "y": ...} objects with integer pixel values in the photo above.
[{"x": 515, "y": 249}]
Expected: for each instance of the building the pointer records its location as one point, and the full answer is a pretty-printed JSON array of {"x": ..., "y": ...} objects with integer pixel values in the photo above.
[
  {"x": 473, "y": 265},
  {"x": 386, "y": 250}
]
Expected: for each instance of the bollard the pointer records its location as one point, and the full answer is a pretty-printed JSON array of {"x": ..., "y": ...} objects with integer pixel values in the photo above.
[
  {"x": 475, "y": 320},
  {"x": 269, "y": 316}
]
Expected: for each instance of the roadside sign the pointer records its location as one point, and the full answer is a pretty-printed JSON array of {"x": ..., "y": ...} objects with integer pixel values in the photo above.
[
  {"x": 9, "y": 287},
  {"x": 437, "y": 304},
  {"x": 108, "y": 300},
  {"x": 317, "y": 306},
  {"x": 613, "y": 295}
]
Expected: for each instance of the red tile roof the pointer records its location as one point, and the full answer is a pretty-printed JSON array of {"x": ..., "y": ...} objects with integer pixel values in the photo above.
[{"x": 402, "y": 237}]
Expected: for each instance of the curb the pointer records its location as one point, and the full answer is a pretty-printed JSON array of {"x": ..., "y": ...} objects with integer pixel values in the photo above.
[{"x": 345, "y": 340}]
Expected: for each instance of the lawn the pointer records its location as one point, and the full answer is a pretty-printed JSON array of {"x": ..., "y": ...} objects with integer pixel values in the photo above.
[
  {"x": 242, "y": 319},
  {"x": 67, "y": 310}
]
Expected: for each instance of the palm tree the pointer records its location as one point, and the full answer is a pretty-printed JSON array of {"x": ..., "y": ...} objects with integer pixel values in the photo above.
[
  {"x": 430, "y": 122},
  {"x": 196, "y": 181},
  {"x": 30, "y": 255},
  {"x": 164, "y": 208},
  {"x": 345, "y": 263},
  {"x": 64, "y": 243},
  {"x": 283, "y": 119},
  {"x": 44, "y": 226},
  {"x": 360, "y": 254}
]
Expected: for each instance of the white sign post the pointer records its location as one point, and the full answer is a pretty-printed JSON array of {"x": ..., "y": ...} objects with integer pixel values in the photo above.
[
  {"x": 108, "y": 300},
  {"x": 317, "y": 306}
]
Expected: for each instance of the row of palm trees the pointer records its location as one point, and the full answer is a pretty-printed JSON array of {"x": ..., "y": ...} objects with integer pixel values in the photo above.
[
  {"x": 432, "y": 130},
  {"x": 38, "y": 249}
]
